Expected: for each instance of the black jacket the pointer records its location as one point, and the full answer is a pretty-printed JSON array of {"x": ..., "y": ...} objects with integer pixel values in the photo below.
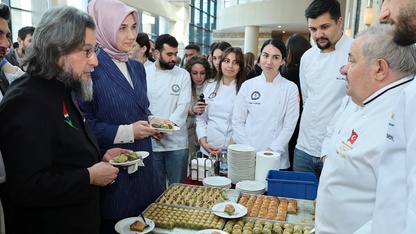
[{"x": 47, "y": 149}]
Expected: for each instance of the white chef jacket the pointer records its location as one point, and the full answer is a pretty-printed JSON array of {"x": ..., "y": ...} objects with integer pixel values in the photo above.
[
  {"x": 395, "y": 208},
  {"x": 265, "y": 115},
  {"x": 346, "y": 191},
  {"x": 215, "y": 122},
  {"x": 169, "y": 93},
  {"x": 321, "y": 91}
]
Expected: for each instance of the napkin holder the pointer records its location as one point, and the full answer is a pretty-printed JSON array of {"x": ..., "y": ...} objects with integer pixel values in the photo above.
[{"x": 201, "y": 168}]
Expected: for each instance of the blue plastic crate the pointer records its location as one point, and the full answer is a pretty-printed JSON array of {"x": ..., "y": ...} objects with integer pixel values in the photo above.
[{"x": 301, "y": 185}]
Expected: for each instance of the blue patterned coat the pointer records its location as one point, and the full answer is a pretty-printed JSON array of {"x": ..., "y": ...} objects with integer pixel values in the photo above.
[{"x": 117, "y": 103}]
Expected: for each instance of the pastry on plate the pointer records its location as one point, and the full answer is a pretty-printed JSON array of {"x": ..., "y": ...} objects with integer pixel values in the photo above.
[
  {"x": 137, "y": 226},
  {"x": 229, "y": 209}
]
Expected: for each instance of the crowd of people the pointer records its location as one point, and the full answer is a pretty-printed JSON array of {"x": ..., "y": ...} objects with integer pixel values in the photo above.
[{"x": 89, "y": 86}]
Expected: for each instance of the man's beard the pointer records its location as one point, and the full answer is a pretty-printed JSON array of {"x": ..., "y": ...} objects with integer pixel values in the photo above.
[
  {"x": 81, "y": 88},
  {"x": 166, "y": 65},
  {"x": 326, "y": 46},
  {"x": 405, "y": 31}
]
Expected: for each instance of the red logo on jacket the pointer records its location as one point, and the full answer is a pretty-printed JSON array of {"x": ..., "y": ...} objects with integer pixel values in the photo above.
[{"x": 353, "y": 137}]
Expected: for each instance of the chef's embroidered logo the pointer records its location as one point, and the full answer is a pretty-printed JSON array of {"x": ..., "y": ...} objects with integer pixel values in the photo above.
[
  {"x": 353, "y": 137},
  {"x": 212, "y": 95},
  {"x": 66, "y": 116},
  {"x": 255, "y": 95},
  {"x": 175, "y": 88}
]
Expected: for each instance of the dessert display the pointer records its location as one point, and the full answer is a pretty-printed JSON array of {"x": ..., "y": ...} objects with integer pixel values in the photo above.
[
  {"x": 229, "y": 209},
  {"x": 250, "y": 226},
  {"x": 137, "y": 226},
  {"x": 168, "y": 217},
  {"x": 129, "y": 156},
  {"x": 182, "y": 195},
  {"x": 185, "y": 208}
]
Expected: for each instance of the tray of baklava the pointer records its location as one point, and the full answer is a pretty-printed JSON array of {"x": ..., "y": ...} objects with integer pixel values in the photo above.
[
  {"x": 254, "y": 225},
  {"x": 294, "y": 211},
  {"x": 184, "y": 195},
  {"x": 173, "y": 219}
]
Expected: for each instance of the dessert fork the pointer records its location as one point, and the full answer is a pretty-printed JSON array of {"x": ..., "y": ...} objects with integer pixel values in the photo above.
[{"x": 144, "y": 220}]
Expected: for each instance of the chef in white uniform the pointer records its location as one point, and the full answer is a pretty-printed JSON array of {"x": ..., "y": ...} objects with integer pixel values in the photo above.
[
  {"x": 213, "y": 127},
  {"x": 395, "y": 208},
  {"x": 267, "y": 107},
  {"x": 377, "y": 72}
]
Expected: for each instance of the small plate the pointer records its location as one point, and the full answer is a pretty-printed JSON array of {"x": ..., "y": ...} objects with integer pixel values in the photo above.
[
  {"x": 210, "y": 231},
  {"x": 143, "y": 154},
  {"x": 175, "y": 128},
  {"x": 239, "y": 212},
  {"x": 123, "y": 226}
]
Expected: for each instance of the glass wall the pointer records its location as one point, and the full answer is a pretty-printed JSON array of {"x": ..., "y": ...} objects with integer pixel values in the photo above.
[
  {"x": 202, "y": 23},
  {"x": 28, "y": 12}
]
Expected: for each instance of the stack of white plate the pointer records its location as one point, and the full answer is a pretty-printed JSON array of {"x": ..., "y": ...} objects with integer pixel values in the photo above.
[
  {"x": 241, "y": 162},
  {"x": 217, "y": 181},
  {"x": 251, "y": 187}
]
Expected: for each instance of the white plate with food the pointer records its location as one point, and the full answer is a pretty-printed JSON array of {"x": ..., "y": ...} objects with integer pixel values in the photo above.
[
  {"x": 167, "y": 130},
  {"x": 123, "y": 226},
  {"x": 132, "y": 158},
  {"x": 211, "y": 231},
  {"x": 229, "y": 210}
]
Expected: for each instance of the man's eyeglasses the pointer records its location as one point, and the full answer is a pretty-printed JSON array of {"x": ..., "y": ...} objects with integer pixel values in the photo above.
[{"x": 89, "y": 52}]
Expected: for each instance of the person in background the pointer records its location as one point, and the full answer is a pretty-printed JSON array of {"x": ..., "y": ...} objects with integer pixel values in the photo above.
[
  {"x": 178, "y": 61},
  {"x": 169, "y": 93},
  {"x": 257, "y": 67},
  {"x": 199, "y": 69},
  {"x": 54, "y": 181},
  {"x": 190, "y": 50},
  {"x": 296, "y": 46},
  {"x": 16, "y": 54},
  {"x": 322, "y": 87},
  {"x": 152, "y": 51},
  {"x": 375, "y": 79},
  {"x": 119, "y": 112},
  {"x": 394, "y": 210},
  {"x": 216, "y": 54},
  {"x": 141, "y": 48},
  {"x": 213, "y": 126},
  {"x": 209, "y": 56},
  {"x": 249, "y": 62},
  {"x": 8, "y": 73},
  {"x": 267, "y": 107}
]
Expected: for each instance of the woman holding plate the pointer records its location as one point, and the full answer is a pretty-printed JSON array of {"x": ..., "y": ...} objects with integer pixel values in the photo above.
[{"x": 118, "y": 113}]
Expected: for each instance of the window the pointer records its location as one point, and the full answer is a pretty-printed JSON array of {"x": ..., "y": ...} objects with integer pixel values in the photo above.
[{"x": 203, "y": 16}]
